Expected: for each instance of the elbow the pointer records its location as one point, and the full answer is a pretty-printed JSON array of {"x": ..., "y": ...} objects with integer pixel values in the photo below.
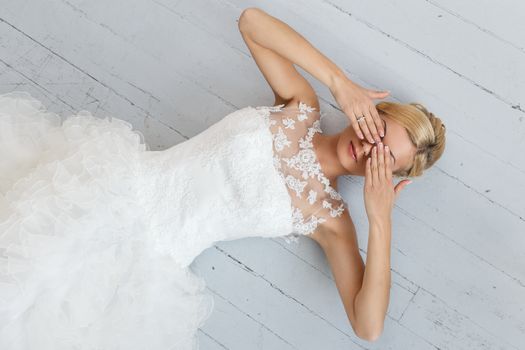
[
  {"x": 246, "y": 17},
  {"x": 370, "y": 334}
]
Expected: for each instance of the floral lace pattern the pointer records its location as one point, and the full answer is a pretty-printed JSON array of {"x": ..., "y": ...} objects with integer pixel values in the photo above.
[{"x": 314, "y": 200}]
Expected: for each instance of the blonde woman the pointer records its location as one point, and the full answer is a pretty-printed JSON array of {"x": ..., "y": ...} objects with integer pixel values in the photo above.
[
  {"x": 382, "y": 141},
  {"x": 97, "y": 232}
]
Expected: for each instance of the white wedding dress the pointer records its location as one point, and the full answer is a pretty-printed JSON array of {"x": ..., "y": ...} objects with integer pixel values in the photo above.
[{"x": 97, "y": 232}]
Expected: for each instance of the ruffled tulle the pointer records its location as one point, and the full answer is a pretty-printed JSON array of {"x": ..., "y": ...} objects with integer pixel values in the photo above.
[{"x": 77, "y": 270}]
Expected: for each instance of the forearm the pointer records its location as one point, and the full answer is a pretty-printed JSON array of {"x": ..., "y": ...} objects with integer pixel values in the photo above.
[
  {"x": 279, "y": 37},
  {"x": 371, "y": 302}
]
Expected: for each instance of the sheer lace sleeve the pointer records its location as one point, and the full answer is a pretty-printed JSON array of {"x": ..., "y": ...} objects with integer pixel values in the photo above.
[{"x": 314, "y": 200}]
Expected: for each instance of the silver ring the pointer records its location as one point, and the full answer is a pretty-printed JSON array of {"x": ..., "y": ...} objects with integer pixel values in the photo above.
[{"x": 360, "y": 118}]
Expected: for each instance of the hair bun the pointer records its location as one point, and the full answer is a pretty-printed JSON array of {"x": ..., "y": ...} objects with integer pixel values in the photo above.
[
  {"x": 437, "y": 124},
  {"x": 426, "y": 131},
  {"x": 423, "y": 109},
  {"x": 434, "y": 149}
]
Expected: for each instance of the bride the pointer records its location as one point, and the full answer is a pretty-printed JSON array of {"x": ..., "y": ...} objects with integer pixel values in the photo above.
[{"x": 97, "y": 232}]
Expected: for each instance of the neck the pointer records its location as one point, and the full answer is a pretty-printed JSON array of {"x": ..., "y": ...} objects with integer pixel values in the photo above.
[{"x": 325, "y": 147}]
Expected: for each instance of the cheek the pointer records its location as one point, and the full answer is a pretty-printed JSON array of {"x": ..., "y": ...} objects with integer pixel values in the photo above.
[
  {"x": 361, "y": 168},
  {"x": 349, "y": 132},
  {"x": 342, "y": 150}
]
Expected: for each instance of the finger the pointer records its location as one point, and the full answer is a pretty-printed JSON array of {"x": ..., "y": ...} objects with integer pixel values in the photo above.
[
  {"x": 379, "y": 94},
  {"x": 381, "y": 162},
  {"x": 400, "y": 186},
  {"x": 372, "y": 126},
  {"x": 364, "y": 126},
  {"x": 368, "y": 134},
  {"x": 378, "y": 121},
  {"x": 388, "y": 164},
  {"x": 368, "y": 173},
  {"x": 355, "y": 123},
  {"x": 375, "y": 177}
]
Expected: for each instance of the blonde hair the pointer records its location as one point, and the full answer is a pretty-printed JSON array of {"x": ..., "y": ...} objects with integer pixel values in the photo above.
[{"x": 426, "y": 131}]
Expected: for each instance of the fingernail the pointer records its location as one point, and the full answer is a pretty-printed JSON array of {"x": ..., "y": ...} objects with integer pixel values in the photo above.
[{"x": 408, "y": 183}]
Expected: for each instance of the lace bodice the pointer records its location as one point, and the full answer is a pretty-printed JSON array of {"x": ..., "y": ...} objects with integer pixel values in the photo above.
[{"x": 313, "y": 199}]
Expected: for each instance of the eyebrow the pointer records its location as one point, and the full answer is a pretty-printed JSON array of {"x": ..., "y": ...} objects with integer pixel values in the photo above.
[{"x": 384, "y": 122}]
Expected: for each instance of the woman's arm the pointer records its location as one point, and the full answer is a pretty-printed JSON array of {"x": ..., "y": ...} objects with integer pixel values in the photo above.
[
  {"x": 367, "y": 307},
  {"x": 364, "y": 290},
  {"x": 372, "y": 301},
  {"x": 275, "y": 47}
]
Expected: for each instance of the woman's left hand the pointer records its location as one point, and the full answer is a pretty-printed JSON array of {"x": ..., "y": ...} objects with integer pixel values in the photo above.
[{"x": 379, "y": 191}]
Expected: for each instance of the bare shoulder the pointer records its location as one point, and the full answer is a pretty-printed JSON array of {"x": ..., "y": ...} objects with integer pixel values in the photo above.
[
  {"x": 336, "y": 228},
  {"x": 310, "y": 99}
]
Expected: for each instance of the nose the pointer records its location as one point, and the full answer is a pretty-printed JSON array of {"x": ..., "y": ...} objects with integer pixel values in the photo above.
[{"x": 367, "y": 147}]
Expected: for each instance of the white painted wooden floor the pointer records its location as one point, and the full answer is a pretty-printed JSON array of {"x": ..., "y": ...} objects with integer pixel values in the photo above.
[{"x": 172, "y": 68}]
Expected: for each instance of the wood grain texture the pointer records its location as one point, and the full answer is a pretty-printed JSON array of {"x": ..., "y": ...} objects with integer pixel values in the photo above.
[{"x": 173, "y": 68}]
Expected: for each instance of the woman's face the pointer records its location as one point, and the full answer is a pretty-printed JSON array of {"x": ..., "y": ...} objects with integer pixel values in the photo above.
[{"x": 402, "y": 150}]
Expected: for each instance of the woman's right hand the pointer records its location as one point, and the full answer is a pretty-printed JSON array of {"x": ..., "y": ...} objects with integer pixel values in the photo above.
[{"x": 356, "y": 101}]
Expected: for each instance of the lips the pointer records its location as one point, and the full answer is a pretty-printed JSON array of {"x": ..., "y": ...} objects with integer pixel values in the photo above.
[{"x": 351, "y": 149}]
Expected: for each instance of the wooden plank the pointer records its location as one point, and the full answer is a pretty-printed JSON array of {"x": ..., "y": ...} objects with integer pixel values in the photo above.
[
  {"x": 228, "y": 321},
  {"x": 504, "y": 22},
  {"x": 447, "y": 328},
  {"x": 255, "y": 293},
  {"x": 450, "y": 43},
  {"x": 206, "y": 342},
  {"x": 174, "y": 102},
  {"x": 65, "y": 90},
  {"x": 307, "y": 284}
]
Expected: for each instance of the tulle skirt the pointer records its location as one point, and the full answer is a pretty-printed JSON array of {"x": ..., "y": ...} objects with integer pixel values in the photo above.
[{"x": 76, "y": 267}]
